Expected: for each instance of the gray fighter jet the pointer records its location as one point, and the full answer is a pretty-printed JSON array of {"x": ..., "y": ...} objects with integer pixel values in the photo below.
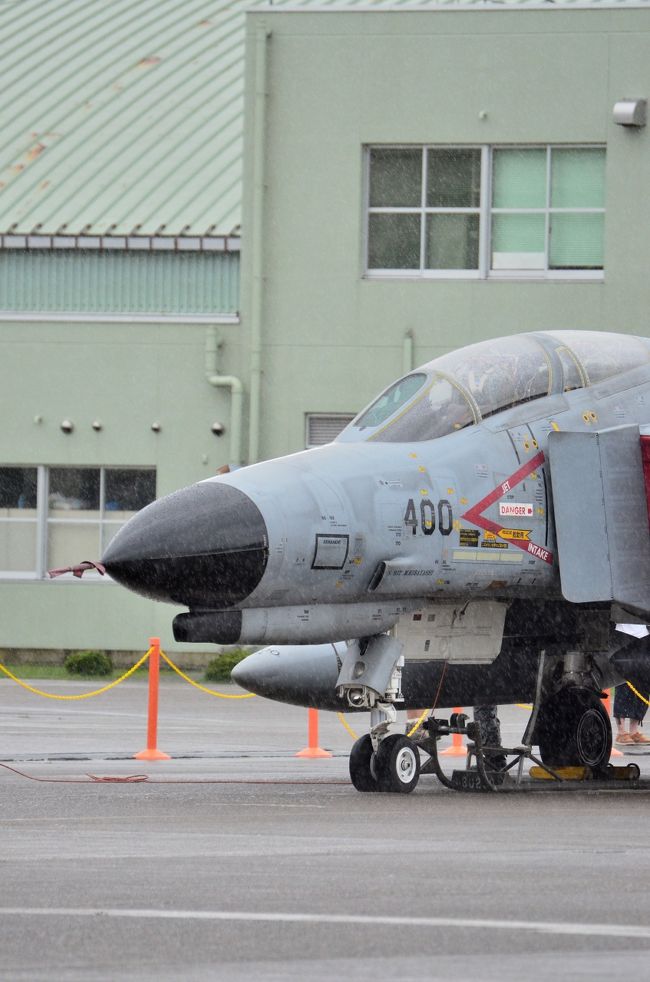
[{"x": 473, "y": 536}]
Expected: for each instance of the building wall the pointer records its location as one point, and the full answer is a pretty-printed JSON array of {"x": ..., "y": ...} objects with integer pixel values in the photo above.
[
  {"x": 126, "y": 374},
  {"x": 339, "y": 81}
]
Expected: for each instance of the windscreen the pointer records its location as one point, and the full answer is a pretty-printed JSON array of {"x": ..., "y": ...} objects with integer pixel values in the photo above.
[{"x": 390, "y": 401}]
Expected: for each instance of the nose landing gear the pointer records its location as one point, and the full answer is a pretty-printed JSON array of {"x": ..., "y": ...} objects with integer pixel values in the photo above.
[{"x": 393, "y": 767}]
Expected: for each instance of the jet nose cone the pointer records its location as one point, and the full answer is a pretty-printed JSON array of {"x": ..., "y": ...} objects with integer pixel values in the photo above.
[{"x": 204, "y": 546}]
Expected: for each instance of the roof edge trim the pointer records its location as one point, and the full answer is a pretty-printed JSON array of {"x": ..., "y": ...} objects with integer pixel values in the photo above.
[{"x": 123, "y": 243}]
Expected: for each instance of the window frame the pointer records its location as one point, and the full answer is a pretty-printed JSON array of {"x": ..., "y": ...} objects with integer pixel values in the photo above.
[
  {"x": 485, "y": 212},
  {"x": 44, "y": 520}
]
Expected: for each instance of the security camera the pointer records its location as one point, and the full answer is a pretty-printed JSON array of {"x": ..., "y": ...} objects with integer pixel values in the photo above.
[
  {"x": 218, "y": 429},
  {"x": 67, "y": 426}
]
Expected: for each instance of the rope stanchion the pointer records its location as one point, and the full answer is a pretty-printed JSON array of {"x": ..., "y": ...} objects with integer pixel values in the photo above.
[
  {"x": 312, "y": 749},
  {"x": 82, "y": 695},
  {"x": 151, "y": 751},
  {"x": 203, "y": 688},
  {"x": 457, "y": 748}
]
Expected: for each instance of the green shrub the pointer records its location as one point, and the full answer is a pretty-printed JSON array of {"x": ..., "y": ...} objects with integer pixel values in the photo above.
[
  {"x": 88, "y": 663},
  {"x": 218, "y": 669}
]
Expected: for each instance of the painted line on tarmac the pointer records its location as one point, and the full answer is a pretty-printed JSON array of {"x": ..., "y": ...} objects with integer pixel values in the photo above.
[{"x": 275, "y": 917}]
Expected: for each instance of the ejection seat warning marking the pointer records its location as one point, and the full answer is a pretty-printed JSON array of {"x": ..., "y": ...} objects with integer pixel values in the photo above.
[
  {"x": 331, "y": 551},
  {"x": 476, "y": 517}
]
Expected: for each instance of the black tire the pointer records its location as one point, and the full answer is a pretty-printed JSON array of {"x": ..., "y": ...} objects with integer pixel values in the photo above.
[
  {"x": 397, "y": 764},
  {"x": 573, "y": 729},
  {"x": 361, "y": 765}
]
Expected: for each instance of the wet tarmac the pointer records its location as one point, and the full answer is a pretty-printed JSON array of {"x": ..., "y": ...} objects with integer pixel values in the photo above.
[{"x": 237, "y": 860}]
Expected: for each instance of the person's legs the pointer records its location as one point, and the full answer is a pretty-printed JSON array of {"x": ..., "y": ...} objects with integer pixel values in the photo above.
[{"x": 490, "y": 727}]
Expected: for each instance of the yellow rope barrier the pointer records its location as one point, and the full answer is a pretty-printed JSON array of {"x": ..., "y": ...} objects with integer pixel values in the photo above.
[
  {"x": 210, "y": 692},
  {"x": 83, "y": 695},
  {"x": 638, "y": 694},
  {"x": 345, "y": 723},
  {"x": 419, "y": 722}
]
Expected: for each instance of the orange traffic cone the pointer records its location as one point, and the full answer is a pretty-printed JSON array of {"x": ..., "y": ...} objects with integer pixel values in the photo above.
[
  {"x": 312, "y": 749},
  {"x": 457, "y": 748}
]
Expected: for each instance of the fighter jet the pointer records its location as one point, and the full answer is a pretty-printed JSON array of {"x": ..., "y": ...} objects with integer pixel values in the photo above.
[{"x": 473, "y": 536}]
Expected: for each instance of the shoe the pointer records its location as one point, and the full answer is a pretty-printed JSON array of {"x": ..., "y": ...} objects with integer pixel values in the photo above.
[
  {"x": 625, "y": 739},
  {"x": 640, "y": 738}
]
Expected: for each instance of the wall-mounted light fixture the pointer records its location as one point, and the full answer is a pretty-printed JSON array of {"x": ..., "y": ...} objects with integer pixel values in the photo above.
[
  {"x": 97, "y": 425},
  {"x": 67, "y": 425},
  {"x": 156, "y": 427},
  {"x": 218, "y": 428},
  {"x": 631, "y": 112}
]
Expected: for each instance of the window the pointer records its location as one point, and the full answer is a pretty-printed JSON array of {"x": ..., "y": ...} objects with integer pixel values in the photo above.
[
  {"x": 486, "y": 211},
  {"x": 59, "y": 516}
]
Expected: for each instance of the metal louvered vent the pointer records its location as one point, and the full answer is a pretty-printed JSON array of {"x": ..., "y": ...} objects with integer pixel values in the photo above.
[{"x": 324, "y": 427}]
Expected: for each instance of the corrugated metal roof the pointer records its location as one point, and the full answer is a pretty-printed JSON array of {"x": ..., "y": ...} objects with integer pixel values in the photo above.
[{"x": 125, "y": 116}]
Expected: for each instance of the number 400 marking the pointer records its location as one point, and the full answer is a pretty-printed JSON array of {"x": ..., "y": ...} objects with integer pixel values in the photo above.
[{"x": 427, "y": 520}]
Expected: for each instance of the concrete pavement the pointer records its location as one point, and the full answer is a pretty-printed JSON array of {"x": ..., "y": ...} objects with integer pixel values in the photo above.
[{"x": 264, "y": 866}]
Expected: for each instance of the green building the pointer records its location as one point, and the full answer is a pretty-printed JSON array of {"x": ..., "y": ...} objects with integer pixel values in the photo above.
[{"x": 403, "y": 179}]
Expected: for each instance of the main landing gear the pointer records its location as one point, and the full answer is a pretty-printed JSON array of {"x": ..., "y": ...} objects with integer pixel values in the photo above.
[{"x": 573, "y": 729}]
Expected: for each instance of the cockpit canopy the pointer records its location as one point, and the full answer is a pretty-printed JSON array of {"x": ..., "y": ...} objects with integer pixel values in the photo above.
[{"x": 467, "y": 385}]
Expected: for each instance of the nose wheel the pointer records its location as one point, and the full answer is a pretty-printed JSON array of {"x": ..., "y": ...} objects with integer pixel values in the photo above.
[{"x": 393, "y": 768}]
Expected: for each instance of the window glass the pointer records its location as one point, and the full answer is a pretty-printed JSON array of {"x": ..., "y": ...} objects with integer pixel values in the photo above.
[
  {"x": 501, "y": 372},
  {"x": 18, "y": 488},
  {"x": 573, "y": 375},
  {"x": 442, "y": 409},
  {"x": 18, "y": 519},
  {"x": 604, "y": 355},
  {"x": 390, "y": 401},
  {"x": 128, "y": 490},
  {"x": 543, "y": 212},
  {"x": 394, "y": 241},
  {"x": 83, "y": 508},
  {"x": 74, "y": 489},
  {"x": 578, "y": 177},
  {"x": 72, "y": 542},
  {"x": 519, "y": 178},
  {"x": 395, "y": 177},
  {"x": 453, "y": 178},
  {"x": 518, "y": 241},
  {"x": 576, "y": 241},
  {"x": 452, "y": 241}
]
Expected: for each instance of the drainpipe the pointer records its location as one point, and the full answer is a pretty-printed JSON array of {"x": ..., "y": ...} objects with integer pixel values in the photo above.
[
  {"x": 259, "y": 133},
  {"x": 212, "y": 348},
  {"x": 407, "y": 352}
]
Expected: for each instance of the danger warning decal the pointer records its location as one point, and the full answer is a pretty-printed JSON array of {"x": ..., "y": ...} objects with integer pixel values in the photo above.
[{"x": 517, "y": 537}]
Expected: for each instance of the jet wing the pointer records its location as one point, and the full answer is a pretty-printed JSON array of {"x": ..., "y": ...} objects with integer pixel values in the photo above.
[{"x": 601, "y": 517}]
